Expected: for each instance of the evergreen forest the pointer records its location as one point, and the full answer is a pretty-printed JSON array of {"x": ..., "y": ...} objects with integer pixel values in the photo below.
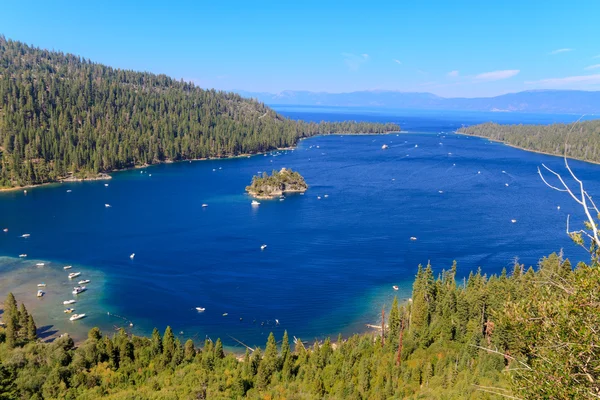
[
  {"x": 523, "y": 334},
  {"x": 62, "y": 116},
  {"x": 582, "y": 139}
]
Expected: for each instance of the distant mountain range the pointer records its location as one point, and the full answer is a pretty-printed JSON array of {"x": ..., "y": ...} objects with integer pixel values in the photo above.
[{"x": 534, "y": 101}]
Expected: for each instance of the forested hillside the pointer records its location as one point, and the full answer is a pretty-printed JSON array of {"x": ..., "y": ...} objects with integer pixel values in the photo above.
[
  {"x": 525, "y": 334},
  {"x": 583, "y": 138},
  {"x": 61, "y": 114}
]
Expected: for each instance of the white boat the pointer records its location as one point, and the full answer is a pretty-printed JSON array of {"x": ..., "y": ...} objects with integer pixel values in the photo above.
[
  {"x": 69, "y": 310},
  {"x": 326, "y": 196},
  {"x": 385, "y": 146},
  {"x": 22, "y": 255},
  {"x": 67, "y": 267},
  {"x": 204, "y": 205},
  {"x": 40, "y": 264},
  {"x": 255, "y": 203},
  {"x": 416, "y": 145},
  {"x": 225, "y": 314},
  {"x": 395, "y": 287},
  {"x": 75, "y": 317},
  {"x": 440, "y": 191},
  {"x": 200, "y": 308},
  {"x": 106, "y": 184},
  {"x": 40, "y": 293},
  {"x": 74, "y": 275},
  {"x": 132, "y": 256},
  {"x": 318, "y": 197},
  {"x": 506, "y": 184},
  {"x": 79, "y": 289},
  {"x": 107, "y": 205},
  {"x": 84, "y": 281},
  {"x": 413, "y": 238},
  {"x": 25, "y": 235},
  {"x": 513, "y": 220},
  {"x": 67, "y": 302},
  {"x": 41, "y": 284},
  {"x": 264, "y": 246},
  {"x": 5, "y": 229},
  {"x": 69, "y": 191}
]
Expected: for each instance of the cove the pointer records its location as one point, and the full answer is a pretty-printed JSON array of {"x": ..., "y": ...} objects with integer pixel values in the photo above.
[{"x": 330, "y": 263}]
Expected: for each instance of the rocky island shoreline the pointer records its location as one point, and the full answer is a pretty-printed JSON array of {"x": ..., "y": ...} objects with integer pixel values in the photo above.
[{"x": 275, "y": 185}]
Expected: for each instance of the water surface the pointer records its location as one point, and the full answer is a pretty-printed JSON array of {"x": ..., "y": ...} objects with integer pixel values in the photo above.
[{"x": 330, "y": 263}]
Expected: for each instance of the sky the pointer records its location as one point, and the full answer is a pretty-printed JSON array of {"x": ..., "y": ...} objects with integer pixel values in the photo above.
[{"x": 451, "y": 48}]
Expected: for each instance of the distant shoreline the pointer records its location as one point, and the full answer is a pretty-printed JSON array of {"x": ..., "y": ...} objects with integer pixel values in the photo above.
[
  {"x": 105, "y": 175},
  {"x": 529, "y": 150}
]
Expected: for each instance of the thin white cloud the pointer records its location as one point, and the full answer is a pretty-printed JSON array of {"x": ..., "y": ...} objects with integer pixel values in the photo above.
[
  {"x": 453, "y": 74},
  {"x": 496, "y": 75},
  {"x": 420, "y": 71},
  {"x": 592, "y": 67},
  {"x": 354, "y": 61},
  {"x": 558, "y": 51},
  {"x": 398, "y": 62},
  {"x": 567, "y": 81},
  {"x": 598, "y": 56}
]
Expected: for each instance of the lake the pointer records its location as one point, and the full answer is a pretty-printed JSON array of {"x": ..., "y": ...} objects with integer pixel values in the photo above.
[{"x": 332, "y": 254}]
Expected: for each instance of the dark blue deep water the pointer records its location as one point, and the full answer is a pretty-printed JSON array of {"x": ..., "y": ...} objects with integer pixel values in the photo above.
[{"x": 330, "y": 263}]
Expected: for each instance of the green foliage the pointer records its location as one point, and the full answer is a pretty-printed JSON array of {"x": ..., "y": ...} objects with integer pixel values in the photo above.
[
  {"x": 277, "y": 183},
  {"x": 62, "y": 116},
  {"x": 583, "y": 139}
]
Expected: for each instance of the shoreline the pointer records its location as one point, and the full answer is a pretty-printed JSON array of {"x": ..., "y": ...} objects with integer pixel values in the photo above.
[
  {"x": 525, "y": 149},
  {"x": 106, "y": 175}
]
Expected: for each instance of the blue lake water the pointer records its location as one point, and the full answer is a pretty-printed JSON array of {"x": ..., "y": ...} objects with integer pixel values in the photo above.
[{"x": 330, "y": 263}]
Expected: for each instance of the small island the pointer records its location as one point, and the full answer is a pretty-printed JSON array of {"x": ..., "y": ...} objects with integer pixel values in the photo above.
[{"x": 268, "y": 187}]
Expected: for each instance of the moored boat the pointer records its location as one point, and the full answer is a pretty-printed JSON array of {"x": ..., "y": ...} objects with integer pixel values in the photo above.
[
  {"x": 40, "y": 293},
  {"x": 67, "y": 302},
  {"x": 22, "y": 255},
  {"x": 69, "y": 310},
  {"x": 41, "y": 284},
  {"x": 67, "y": 267},
  {"x": 395, "y": 287},
  {"x": 79, "y": 289},
  {"x": 75, "y": 317},
  {"x": 255, "y": 203},
  {"x": 84, "y": 281},
  {"x": 74, "y": 275},
  {"x": 200, "y": 308}
]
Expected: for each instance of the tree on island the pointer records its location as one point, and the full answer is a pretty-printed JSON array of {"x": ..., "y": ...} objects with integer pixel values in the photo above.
[{"x": 278, "y": 183}]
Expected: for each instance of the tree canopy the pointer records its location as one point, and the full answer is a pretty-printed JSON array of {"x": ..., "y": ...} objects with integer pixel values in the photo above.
[
  {"x": 582, "y": 139},
  {"x": 62, "y": 115}
]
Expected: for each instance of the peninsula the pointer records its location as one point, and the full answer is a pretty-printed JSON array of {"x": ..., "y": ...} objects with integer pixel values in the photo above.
[{"x": 268, "y": 187}]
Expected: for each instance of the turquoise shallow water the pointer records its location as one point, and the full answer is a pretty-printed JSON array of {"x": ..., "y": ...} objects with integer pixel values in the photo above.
[{"x": 330, "y": 263}]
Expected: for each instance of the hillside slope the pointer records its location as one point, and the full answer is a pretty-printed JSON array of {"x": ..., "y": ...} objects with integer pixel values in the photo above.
[{"x": 61, "y": 114}]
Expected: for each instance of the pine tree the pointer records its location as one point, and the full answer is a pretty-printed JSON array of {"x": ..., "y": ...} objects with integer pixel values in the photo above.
[
  {"x": 268, "y": 363},
  {"x": 157, "y": 347},
  {"x": 168, "y": 345},
  {"x": 23, "y": 318},
  {"x": 394, "y": 324},
  {"x": 31, "y": 329},
  {"x": 11, "y": 320},
  {"x": 189, "y": 351}
]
